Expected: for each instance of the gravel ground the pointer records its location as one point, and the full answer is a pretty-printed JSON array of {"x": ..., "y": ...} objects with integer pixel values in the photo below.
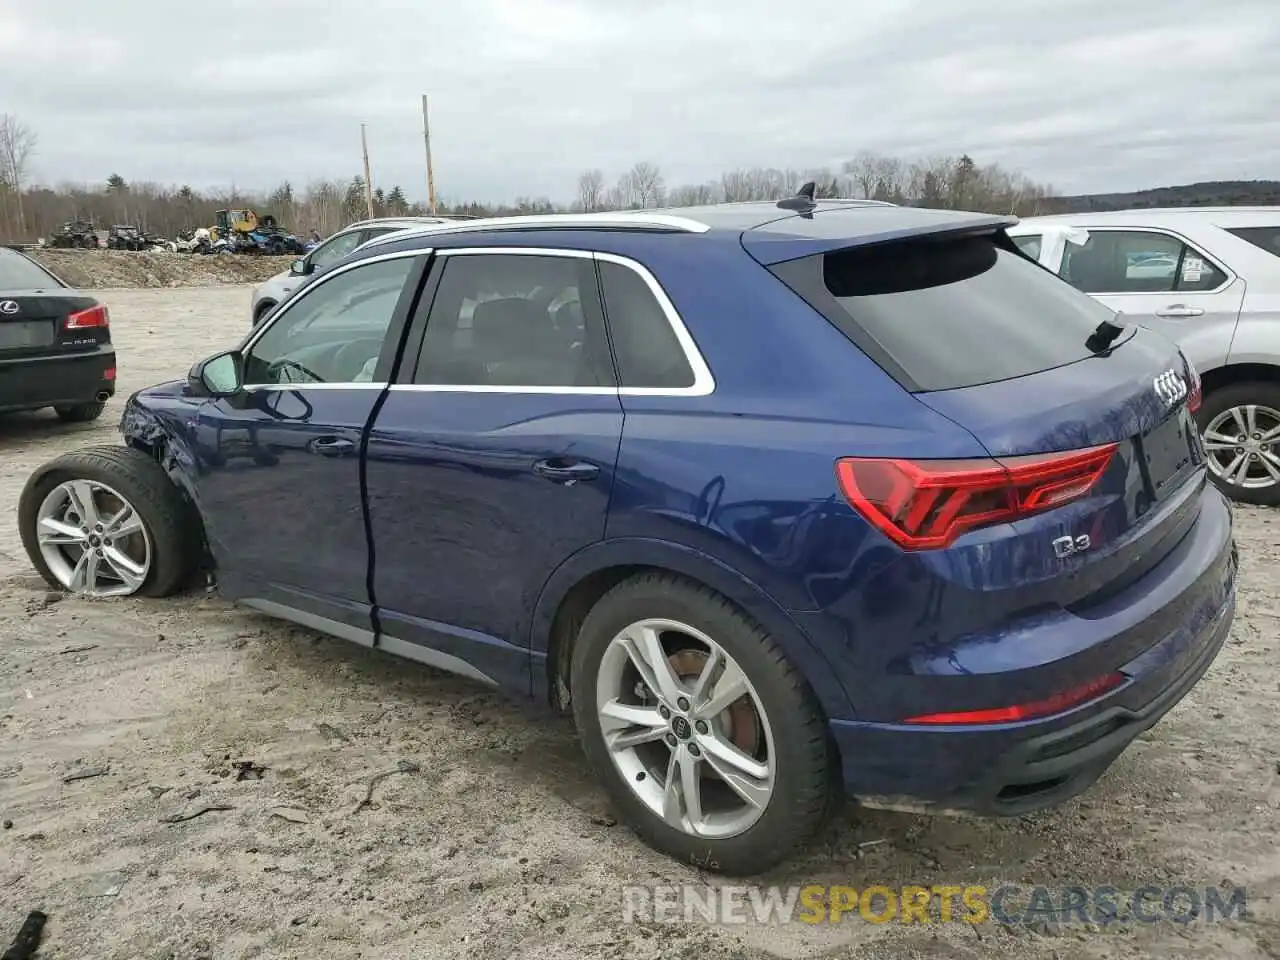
[{"x": 495, "y": 843}]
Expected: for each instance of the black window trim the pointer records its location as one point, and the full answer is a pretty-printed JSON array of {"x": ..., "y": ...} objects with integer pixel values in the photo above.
[
  {"x": 1171, "y": 235},
  {"x": 703, "y": 382},
  {"x": 394, "y": 337}
]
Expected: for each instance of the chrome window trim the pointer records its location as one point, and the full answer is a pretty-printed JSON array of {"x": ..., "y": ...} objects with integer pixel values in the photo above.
[
  {"x": 1171, "y": 235},
  {"x": 637, "y": 220},
  {"x": 704, "y": 382},
  {"x": 292, "y": 302}
]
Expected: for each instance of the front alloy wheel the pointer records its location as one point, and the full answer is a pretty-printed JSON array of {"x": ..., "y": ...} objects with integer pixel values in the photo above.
[
  {"x": 93, "y": 540},
  {"x": 1243, "y": 446}
]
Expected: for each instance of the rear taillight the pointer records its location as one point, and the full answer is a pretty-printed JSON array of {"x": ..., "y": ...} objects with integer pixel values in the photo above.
[
  {"x": 1058, "y": 703},
  {"x": 1195, "y": 392},
  {"x": 87, "y": 319},
  {"x": 926, "y": 504}
]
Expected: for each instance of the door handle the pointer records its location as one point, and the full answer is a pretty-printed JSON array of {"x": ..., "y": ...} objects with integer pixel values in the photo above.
[
  {"x": 1180, "y": 310},
  {"x": 331, "y": 446},
  {"x": 566, "y": 471}
]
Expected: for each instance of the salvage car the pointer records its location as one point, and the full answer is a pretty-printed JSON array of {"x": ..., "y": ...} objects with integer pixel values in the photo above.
[
  {"x": 770, "y": 498},
  {"x": 270, "y": 292},
  {"x": 1209, "y": 278},
  {"x": 55, "y": 344}
]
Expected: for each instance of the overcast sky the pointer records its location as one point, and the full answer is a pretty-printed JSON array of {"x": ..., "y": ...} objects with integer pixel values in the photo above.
[{"x": 1089, "y": 95}]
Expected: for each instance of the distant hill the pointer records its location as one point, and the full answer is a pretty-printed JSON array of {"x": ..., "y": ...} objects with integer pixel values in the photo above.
[{"x": 1214, "y": 193}]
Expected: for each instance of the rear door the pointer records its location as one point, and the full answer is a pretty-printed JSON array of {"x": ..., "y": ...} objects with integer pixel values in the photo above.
[
  {"x": 492, "y": 460},
  {"x": 1162, "y": 281}
]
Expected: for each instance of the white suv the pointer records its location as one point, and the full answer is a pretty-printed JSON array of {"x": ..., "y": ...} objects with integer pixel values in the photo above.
[
  {"x": 326, "y": 254},
  {"x": 1209, "y": 279}
]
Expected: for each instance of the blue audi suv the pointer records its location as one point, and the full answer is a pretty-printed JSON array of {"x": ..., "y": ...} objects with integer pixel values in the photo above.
[{"x": 772, "y": 499}]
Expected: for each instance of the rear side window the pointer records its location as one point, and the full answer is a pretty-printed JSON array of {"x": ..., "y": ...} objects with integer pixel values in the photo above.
[
  {"x": 1267, "y": 238},
  {"x": 19, "y": 273},
  {"x": 947, "y": 313},
  {"x": 644, "y": 343}
]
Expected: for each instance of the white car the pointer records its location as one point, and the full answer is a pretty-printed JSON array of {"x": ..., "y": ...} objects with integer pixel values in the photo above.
[
  {"x": 1209, "y": 279},
  {"x": 271, "y": 292}
]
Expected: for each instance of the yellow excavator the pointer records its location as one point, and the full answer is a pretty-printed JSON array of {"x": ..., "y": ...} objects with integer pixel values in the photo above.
[{"x": 233, "y": 221}]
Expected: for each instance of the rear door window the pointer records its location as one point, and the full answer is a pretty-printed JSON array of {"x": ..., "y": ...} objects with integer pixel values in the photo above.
[
  {"x": 1029, "y": 244},
  {"x": 1138, "y": 261},
  {"x": 940, "y": 314}
]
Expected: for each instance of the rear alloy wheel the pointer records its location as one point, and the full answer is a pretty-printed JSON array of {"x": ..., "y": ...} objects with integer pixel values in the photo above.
[
  {"x": 1241, "y": 432},
  {"x": 80, "y": 412},
  {"x": 708, "y": 741},
  {"x": 106, "y": 522}
]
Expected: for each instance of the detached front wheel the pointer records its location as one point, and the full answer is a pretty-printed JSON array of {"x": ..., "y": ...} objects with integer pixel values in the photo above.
[
  {"x": 106, "y": 522},
  {"x": 707, "y": 739}
]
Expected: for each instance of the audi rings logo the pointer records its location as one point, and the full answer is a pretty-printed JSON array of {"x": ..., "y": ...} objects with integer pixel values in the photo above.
[
  {"x": 8, "y": 307},
  {"x": 1170, "y": 387}
]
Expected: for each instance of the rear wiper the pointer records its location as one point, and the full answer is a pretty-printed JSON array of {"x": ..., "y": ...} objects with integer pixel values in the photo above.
[{"x": 1104, "y": 335}]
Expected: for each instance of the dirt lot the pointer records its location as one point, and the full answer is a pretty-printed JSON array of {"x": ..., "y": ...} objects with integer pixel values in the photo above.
[
  {"x": 497, "y": 844},
  {"x": 90, "y": 269}
]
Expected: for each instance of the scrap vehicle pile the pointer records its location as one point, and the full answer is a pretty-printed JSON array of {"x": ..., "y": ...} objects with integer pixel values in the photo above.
[{"x": 74, "y": 233}]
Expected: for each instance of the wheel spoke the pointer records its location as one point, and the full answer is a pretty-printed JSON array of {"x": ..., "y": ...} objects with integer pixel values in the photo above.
[
  {"x": 747, "y": 777},
  {"x": 84, "y": 578},
  {"x": 124, "y": 523},
  {"x": 703, "y": 685},
  {"x": 1272, "y": 434},
  {"x": 1272, "y": 464},
  {"x": 56, "y": 533},
  {"x": 1240, "y": 422},
  {"x": 81, "y": 494},
  {"x": 129, "y": 571},
  {"x": 628, "y": 725},
  {"x": 731, "y": 686},
  {"x": 1228, "y": 472},
  {"x": 1215, "y": 440},
  {"x": 644, "y": 646},
  {"x": 682, "y": 798}
]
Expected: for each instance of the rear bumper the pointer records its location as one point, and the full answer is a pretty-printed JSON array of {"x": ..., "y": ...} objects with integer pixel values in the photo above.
[
  {"x": 1011, "y": 769},
  {"x": 28, "y": 383}
]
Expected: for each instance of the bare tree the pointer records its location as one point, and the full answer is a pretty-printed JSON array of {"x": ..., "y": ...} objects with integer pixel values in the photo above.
[
  {"x": 591, "y": 191},
  {"x": 642, "y": 185},
  {"x": 17, "y": 141}
]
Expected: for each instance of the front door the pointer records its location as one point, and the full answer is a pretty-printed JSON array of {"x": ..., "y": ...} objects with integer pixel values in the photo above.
[
  {"x": 491, "y": 461},
  {"x": 279, "y": 462},
  {"x": 1160, "y": 281}
]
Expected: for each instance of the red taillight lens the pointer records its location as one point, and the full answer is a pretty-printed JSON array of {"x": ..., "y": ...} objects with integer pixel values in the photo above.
[
  {"x": 1195, "y": 392},
  {"x": 926, "y": 504},
  {"x": 87, "y": 319},
  {"x": 109, "y": 373},
  {"x": 1058, "y": 703}
]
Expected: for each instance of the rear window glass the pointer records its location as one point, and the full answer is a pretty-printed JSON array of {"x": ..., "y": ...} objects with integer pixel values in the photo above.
[
  {"x": 19, "y": 273},
  {"x": 1268, "y": 238},
  {"x": 955, "y": 312}
]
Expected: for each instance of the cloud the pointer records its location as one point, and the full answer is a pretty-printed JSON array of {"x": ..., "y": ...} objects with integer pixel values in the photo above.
[{"x": 1087, "y": 95}]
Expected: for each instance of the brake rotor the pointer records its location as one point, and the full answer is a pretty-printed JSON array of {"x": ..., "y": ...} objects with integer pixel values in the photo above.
[{"x": 738, "y": 723}]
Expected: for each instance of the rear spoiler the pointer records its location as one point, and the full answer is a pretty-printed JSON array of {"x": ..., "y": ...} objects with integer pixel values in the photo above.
[{"x": 825, "y": 231}]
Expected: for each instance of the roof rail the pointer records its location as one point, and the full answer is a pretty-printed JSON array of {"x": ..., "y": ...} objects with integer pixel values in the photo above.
[{"x": 622, "y": 220}]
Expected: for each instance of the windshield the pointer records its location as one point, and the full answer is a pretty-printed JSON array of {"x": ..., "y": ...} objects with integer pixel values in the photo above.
[{"x": 19, "y": 273}]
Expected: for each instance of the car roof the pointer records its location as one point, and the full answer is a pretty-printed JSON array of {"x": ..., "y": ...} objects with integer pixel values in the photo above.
[
  {"x": 1220, "y": 216},
  {"x": 770, "y": 233}
]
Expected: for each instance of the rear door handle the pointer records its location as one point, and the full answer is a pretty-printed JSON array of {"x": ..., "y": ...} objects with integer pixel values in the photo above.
[
  {"x": 1180, "y": 310},
  {"x": 566, "y": 471},
  {"x": 331, "y": 446}
]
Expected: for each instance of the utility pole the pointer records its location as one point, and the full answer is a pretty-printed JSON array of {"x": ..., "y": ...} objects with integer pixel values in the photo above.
[
  {"x": 368, "y": 182},
  {"x": 431, "y": 178}
]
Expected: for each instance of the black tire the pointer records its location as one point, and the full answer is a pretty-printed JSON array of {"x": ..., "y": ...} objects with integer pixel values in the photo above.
[
  {"x": 80, "y": 412},
  {"x": 262, "y": 311},
  {"x": 1261, "y": 393},
  {"x": 803, "y": 760},
  {"x": 141, "y": 481}
]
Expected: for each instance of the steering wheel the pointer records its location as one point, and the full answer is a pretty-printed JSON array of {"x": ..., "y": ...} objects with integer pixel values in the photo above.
[
  {"x": 276, "y": 367},
  {"x": 351, "y": 357}
]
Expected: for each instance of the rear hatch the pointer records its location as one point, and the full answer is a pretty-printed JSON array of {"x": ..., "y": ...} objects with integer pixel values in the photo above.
[{"x": 1054, "y": 385}]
